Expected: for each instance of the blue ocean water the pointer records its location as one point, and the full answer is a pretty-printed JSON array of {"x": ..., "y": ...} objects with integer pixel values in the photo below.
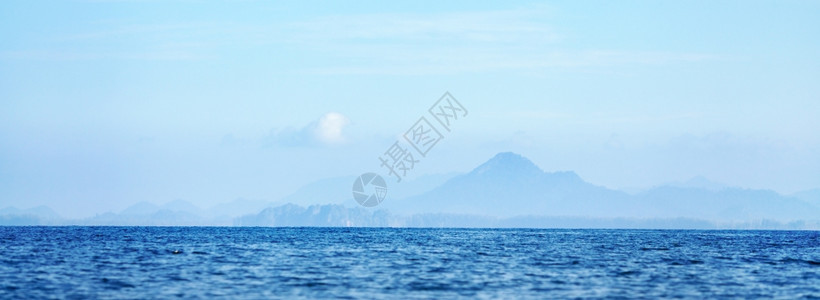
[{"x": 231, "y": 262}]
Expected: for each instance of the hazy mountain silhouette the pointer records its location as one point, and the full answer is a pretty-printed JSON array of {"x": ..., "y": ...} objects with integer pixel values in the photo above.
[
  {"x": 162, "y": 217},
  {"x": 508, "y": 185},
  {"x": 40, "y": 215},
  {"x": 147, "y": 208},
  {"x": 140, "y": 208},
  {"x": 810, "y": 196},
  {"x": 511, "y": 185},
  {"x": 334, "y": 190},
  {"x": 337, "y": 190},
  {"x": 334, "y": 215},
  {"x": 176, "y": 212},
  {"x": 317, "y": 215},
  {"x": 728, "y": 204},
  {"x": 236, "y": 208},
  {"x": 43, "y": 212},
  {"x": 508, "y": 190},
  {"x": 699, "y": 182}
]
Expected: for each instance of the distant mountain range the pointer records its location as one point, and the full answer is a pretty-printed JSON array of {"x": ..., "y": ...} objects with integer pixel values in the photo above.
[
  {"x": 510, "y": 185},
  {"x": 506, "y": 191},
  {"x": 337, "y": 190},
  {"x": 810, "y": 196},
  {"x": 41, "y": 215}
]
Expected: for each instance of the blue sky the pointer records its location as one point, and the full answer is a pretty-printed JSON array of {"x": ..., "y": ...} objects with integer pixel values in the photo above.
[{"x": 106, "y": 103}]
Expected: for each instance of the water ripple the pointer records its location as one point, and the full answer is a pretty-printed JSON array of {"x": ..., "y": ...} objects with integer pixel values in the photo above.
[{"x": 194, "y": 262}]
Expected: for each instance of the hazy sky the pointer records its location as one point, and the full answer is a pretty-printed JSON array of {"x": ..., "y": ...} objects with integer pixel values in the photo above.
[{"x": 107, "y": 103}]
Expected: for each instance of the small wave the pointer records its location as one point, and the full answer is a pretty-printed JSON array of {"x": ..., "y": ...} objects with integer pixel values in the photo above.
[
  {"x": 627, "y": 273},
  {"x": 654, "y": 249},
  {"x": 801, "y": 261},
  {"x": 10, "y": 288},
  {"x": 117, "y": 284},
  {"x": 684, "y": 262},
  {"x": 177, "y": 278}
]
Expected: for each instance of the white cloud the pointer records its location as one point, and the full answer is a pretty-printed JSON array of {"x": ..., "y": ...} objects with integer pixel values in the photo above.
[
  {"x": 330, "y": 127},
  {"x": 327, "y": 130}
]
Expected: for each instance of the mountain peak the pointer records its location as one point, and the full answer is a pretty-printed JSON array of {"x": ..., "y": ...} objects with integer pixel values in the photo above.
[
  {"x": 699, "y": 182},
  {"x": 508, "y": 163}
]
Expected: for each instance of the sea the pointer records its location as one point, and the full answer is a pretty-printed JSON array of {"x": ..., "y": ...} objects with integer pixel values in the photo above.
[{"x": 404, "y": 263}]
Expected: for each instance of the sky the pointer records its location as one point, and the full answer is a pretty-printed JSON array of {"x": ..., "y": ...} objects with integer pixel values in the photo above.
[{"x": 107, "y": 103}]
